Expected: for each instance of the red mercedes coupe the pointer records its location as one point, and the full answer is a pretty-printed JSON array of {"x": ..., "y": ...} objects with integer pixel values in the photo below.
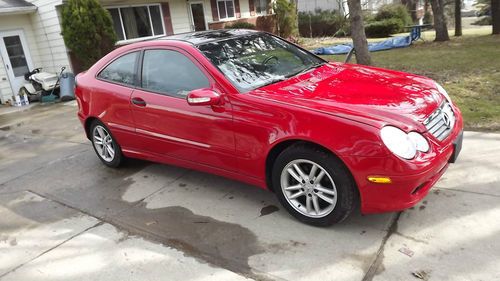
[{"x": 325, "y": 137}]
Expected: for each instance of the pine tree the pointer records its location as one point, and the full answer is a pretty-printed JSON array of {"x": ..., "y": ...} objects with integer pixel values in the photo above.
[{"x": 87, "y": 29}]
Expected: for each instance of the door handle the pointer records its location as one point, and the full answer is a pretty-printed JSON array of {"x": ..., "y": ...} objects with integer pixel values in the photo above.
[{"x": 138, "y": 102}]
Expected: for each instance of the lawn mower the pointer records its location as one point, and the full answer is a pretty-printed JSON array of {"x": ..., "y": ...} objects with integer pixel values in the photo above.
[{"x": 42, "y": 86}]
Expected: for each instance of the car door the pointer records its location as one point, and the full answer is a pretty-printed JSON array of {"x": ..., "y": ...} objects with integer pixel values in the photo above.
[
  {"x": 111, "y": 91},
  {"x": 168, "y": 125}
]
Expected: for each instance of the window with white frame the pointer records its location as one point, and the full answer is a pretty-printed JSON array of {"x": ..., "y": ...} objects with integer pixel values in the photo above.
[
  {"x": 261, "y": 7},
  {"x": 137, "y": 21},
  {"x": 225, "y": 8}
]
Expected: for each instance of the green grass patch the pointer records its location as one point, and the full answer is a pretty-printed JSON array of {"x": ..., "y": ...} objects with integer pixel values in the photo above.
[{"x": 468, "y": 67}]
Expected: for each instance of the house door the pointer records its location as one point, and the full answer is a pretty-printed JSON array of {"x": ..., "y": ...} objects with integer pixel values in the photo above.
[
  {"x": 198, "y": 16},
  {"x": 16, "y": 58}
]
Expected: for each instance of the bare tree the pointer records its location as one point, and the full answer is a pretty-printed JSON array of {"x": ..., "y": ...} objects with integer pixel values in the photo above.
[
  {"x": 440, "y": 20},
  {"x": 358, "y": 32},
  {"x": 458, "y": 17},
  {"x": 495, "y": 16}
]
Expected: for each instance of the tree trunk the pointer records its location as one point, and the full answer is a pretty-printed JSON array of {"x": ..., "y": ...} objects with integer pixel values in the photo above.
[
  {"x": 440, "y": 20},
  {"x": 358, "y": 32},
  {"x": 458, "y": 18},
  {"x": 495, "y": 16}
]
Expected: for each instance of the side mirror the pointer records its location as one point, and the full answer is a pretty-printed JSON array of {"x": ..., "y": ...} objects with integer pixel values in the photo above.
[{"x": 203, "y": 97}]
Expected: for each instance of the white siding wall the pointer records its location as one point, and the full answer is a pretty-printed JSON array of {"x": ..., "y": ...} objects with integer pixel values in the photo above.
[
  {"x": 47, "y": 28},
  {"x": 244, "y": 9},
  {"x": 181, "y": 21},
  {"x": 312, "y": 5},
  {"x": 12, "y": 23}
]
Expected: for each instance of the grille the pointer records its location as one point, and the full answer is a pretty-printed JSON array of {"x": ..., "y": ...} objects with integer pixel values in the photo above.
[{"x": 441, "y": 122}]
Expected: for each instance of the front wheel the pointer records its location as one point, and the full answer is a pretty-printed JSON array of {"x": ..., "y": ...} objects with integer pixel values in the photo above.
[
  {"x": 105, "y": 146},
  {"x": 313, "y": 185}
]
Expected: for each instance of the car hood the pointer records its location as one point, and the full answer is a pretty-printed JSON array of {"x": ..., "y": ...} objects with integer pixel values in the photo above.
[{"x": 365, "y": 94}]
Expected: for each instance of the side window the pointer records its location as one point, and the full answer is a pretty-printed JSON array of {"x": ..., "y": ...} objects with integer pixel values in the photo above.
[
  {"x": 171, "y": 72},
  {"x": 121, "y": 70}
]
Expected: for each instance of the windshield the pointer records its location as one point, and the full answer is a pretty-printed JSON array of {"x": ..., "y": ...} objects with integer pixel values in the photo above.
[{"x": 256, "y": 60}]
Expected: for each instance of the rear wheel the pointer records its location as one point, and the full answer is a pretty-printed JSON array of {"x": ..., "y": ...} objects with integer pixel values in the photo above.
[
  {"x": 313, "y": 185},
  {"x": 105, "y": 146}
]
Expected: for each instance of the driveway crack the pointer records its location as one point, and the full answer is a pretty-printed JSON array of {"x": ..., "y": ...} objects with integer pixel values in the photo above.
[
  {"x": 52, "y": 248},
  {"x": 379, "y": 258}
]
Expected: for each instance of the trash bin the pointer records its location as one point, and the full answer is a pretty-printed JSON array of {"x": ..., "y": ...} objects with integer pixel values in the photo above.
[{"x": 67, "y": 86}]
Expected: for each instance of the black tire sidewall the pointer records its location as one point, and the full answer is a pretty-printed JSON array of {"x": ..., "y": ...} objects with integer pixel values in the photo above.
[
  {"x": 117, "y": 160},
  {"x": 346, "y": 189}
]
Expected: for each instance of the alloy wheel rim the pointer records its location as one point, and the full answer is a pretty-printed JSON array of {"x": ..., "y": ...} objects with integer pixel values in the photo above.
[
  {"x": 308, "y": 188},
  {"x": 103, "y": 143}
]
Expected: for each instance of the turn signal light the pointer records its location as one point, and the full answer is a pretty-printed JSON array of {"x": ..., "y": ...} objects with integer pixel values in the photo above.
[{"x": 375, "y": 179}]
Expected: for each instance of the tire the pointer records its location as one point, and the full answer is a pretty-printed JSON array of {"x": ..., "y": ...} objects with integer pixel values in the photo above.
[
  {"x": 328, "y": 197},
  {"x": 110, "y": 154}
]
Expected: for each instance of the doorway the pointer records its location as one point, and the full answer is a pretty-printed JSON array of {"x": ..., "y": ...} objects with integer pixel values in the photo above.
[
  {"x": 16, "y": 57},
  {"x": 197, "y": 16}
]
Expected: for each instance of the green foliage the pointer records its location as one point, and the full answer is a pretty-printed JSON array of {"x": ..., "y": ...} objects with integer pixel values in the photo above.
[
  {"x": 428, "y": 19},
  {"x": 394, "y": 11},
  {"x": 389, "y": 19},
  {"x": 241, "y": 25},
  {"x": 383, "y": 28},
  {"x": 321, "y": 23},
  {"x": 87, "y": 29},
  {"x": 286, "y": 17}
]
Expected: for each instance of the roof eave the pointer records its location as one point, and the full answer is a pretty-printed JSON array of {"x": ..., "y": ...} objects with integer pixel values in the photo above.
[{"x": 17, "y": 10}]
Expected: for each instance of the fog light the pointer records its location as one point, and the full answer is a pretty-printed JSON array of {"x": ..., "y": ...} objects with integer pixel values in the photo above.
[{"x": 375, "y": 179}]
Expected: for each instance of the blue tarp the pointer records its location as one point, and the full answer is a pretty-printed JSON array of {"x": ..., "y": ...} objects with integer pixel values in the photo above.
[{"x": 391, "y": 43}]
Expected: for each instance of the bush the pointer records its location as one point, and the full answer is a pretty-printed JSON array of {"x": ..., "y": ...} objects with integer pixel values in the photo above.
[
  {"x": 286, "y": 16},
  {"x": 320, "y": 23},
  {"x": 389, "y": 19},
  {"x": 394, "y": 11},
  {"x": 87, "y": 30},
  {"x": 383, "y": 28},
  {"x": 241, "y": 25},
  {"x": 428, "y": 19}
]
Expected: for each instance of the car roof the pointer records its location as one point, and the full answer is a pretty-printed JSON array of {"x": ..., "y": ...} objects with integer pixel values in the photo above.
[{"x": 203, "y": 37}]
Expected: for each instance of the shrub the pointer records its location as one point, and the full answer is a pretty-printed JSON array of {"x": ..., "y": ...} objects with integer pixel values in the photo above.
[
  {"x": 428, "y": 19},
  {"x": 321, "y": 23},
  {"x": 241, "y": 25},
  {"x": 286, "y": 16},
  {"x": 389, "y": 19},
  {"x": 383, "y": 28},
  {"x": 87, "y": 30},
  {"x": 394, "y": 11}
]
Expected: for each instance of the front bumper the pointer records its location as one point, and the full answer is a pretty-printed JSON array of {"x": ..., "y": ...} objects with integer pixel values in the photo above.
[{"x": 411, "y": 180}]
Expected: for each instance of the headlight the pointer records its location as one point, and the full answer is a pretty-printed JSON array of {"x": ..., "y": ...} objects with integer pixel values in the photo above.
[
  {"x": 443, "y": 92},
  {"x": 402, "y": 144},
  {"x": 420, "y": 142}
]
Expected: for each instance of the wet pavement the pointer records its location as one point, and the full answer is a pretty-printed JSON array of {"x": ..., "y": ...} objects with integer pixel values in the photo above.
[{"x": 65, "y": 216}]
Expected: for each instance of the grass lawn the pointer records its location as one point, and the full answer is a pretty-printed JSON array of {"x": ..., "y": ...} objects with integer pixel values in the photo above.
[{"x": 468, "y": 68}]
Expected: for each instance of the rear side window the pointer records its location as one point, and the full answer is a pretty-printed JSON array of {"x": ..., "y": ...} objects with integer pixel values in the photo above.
[
  {"x": 121, "y": 70},
  {"x": 171, "y": 73}
]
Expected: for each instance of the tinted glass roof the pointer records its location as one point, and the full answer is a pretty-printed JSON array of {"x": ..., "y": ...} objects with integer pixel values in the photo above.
[{"x": 202, "y": 37}]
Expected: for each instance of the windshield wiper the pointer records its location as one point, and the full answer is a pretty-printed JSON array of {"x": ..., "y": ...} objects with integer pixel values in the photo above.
[
  {"x": 316, "y": 65},
  {"x": 274, "y": 80}
]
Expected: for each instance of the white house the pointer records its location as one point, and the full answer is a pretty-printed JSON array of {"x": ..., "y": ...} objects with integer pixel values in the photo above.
[
  {"x": 30, "y": 29},
  {"x": 313, "y": 5}
]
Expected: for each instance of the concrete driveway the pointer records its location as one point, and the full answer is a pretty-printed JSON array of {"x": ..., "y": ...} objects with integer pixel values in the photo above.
[{"x": 65, "y": 216}]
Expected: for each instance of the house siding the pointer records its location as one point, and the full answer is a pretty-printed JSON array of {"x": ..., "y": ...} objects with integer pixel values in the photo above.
[
  {"x": 16, "y": 22},
  {"x": 47, "y": 28}
]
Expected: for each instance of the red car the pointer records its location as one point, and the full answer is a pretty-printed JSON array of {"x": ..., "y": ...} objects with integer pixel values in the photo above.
[{"x": 325, "y": 137}]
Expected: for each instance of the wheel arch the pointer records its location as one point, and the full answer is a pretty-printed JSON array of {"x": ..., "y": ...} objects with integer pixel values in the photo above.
[
  {"x": 284, "y": 144},
  {"x": 88, "y": 123}
]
